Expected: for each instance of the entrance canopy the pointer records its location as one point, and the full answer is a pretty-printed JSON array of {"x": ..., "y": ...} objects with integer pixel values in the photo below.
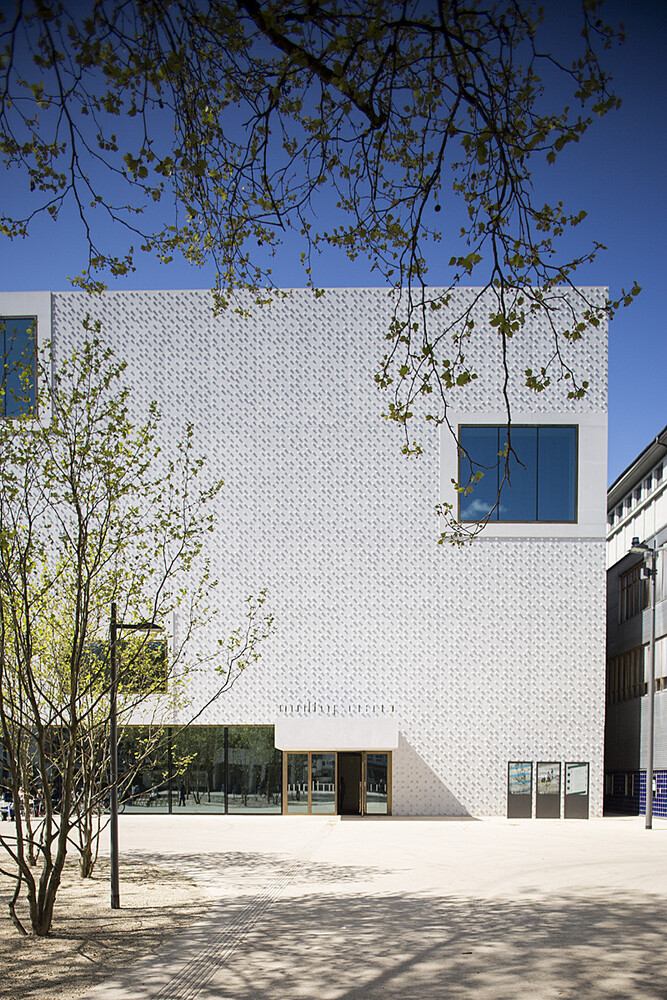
[{"x": 317, "y": 733}]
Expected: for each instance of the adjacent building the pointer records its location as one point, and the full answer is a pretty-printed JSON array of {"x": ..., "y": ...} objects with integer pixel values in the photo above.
[
  {"x": 403, "y": 676},
  {"x": 636, "y": 508}
]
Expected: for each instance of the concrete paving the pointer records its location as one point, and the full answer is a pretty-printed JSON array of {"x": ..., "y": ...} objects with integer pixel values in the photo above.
[{"x": 378, "y": 909}]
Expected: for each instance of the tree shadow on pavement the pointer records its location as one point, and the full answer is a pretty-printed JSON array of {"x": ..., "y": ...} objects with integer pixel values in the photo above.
[
  {"x": 338, "y": 932},
  {"x": 360, "y": 944},
  {"x": 248, "y": 870},
  {"x": 403, "y": 946},
  {"x": 89, "y": 942}
]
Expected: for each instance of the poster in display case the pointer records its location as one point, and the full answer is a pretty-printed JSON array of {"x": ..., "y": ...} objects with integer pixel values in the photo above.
[
  {"x": 576, "y": 790},
  {"x": 519, "y": 789},
  {"x": 547, "y": 789}
]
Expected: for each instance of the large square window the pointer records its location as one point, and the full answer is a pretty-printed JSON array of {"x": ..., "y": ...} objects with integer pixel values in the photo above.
[
  {"x": 542, "y": 481},
  {"x": 17, "y": 368}
]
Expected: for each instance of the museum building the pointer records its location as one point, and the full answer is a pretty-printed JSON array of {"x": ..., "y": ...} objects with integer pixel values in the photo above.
[{"x": 403, "y": 676}]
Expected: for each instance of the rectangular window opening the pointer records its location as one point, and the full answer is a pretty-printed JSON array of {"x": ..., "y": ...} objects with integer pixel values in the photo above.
[
  {"x": 200, "y": 769},
  {"x": 539, "y": 484},
  {"x": 18, "y": 373}
]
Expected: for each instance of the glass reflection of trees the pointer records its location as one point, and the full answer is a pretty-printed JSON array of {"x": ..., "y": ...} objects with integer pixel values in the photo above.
[
  {"x": 377, "y": 783},
  {"x": 297, "y": 783},
  {"x": 198, "y": 755},
  {"x": 255, "y": 770},
  {"x": 143, "y": 769},
  {"x": 213, "y": 769}
]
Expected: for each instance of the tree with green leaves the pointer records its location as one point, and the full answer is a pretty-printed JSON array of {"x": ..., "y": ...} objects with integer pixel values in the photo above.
[
  {"x": 213, "y": 129},
  {"x": 92, "y": 511}
]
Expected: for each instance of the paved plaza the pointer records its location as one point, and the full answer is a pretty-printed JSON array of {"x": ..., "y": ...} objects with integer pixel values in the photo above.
[{"x": 305, "y": 907}]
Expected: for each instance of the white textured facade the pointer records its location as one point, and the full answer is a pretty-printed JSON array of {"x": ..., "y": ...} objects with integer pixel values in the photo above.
[{"x": 482, "y": 654}]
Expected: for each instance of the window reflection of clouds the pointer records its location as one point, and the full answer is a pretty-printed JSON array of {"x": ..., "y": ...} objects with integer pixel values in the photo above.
[{"x": 473, "y": 509}]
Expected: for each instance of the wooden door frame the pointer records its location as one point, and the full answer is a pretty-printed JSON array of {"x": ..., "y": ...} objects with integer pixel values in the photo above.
[{"x": 364, "y": 780}]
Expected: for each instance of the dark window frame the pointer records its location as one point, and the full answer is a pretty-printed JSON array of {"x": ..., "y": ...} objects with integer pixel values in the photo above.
[{"x": 147, "y": 679}]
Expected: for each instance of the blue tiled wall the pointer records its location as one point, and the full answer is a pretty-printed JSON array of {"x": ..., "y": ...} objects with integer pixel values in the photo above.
[
  {"x": 660, "y": 797},
  {"x": 635, "y": 805}
]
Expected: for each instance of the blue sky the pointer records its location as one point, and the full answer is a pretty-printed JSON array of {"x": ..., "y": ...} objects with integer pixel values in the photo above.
[{"x": 617, "y": 173}]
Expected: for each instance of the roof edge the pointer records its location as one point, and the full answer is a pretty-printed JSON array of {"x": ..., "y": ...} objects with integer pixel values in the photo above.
[{"x": 644, "y": 461}]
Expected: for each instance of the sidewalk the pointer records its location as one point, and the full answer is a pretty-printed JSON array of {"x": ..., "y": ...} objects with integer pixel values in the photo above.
[{"x": 396, "y": 908}]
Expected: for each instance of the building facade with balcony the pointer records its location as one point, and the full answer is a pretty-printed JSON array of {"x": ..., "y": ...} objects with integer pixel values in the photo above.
[{"x": 636, "y": 508}]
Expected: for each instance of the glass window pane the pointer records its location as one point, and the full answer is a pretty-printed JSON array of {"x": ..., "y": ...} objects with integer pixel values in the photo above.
[
  {"x": 143, "y": 772},
  {"x": 255, "y": 770},
  {"x": 198, "y": 756},
  {"x": 323, "y": 783},
  {"x": 142, "y": 663},
  {"x": 518, "y": 497},
  {"x": 557, "y": 474},
  {"x": 297, "y": 783},
  {"x": 479, "y": 453},
  {"x": 543, "y": 473},
  {"x": 17, "y": 342},
  {"x": 376, "y": 783}
]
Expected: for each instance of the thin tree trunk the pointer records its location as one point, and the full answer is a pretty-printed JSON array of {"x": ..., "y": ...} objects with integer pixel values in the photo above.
[{"x": 12, "y": 907}]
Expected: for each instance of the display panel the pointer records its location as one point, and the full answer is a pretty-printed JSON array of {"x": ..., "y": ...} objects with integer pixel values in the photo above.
[
  {"x": 519, "y": 789},
  {"x": 576, "y": 779},
  {"x": 547, "y": 788},
  {"x": 576, "y": 790},
  {"x": 520, "y": 778},
  {"x": 548, "y": 779}
]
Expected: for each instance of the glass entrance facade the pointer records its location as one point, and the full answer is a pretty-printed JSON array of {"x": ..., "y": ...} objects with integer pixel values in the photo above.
[
  {"x": 296, "y": 782},
  {"x": 237, "y": 769},
  {"x": 353, "y": 783}
]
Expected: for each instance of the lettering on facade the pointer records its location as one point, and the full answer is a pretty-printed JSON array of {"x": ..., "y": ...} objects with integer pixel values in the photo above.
[{"x": 317, "y": 708}]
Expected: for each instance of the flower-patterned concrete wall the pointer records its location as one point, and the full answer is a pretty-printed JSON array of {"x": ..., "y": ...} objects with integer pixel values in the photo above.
[{"x": 484, "y": 654}]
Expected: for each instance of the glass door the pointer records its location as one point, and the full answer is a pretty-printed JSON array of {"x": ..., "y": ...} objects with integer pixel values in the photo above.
[
  {"x": 309, "y": 780},
  {"x": 296, "y": 783},
  {"x": 347, "y": 783},
  {"x": 323, "y": 783},
  {"x": 350, "y": 784},
  {"x": 377, "y": 784},
  {"x": 364, "y": 784}
]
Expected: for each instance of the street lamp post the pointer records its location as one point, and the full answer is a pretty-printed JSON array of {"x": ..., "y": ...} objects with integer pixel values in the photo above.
[
  {"x": 650, "y": 554},
  {"x": 114, "y": 628}
]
